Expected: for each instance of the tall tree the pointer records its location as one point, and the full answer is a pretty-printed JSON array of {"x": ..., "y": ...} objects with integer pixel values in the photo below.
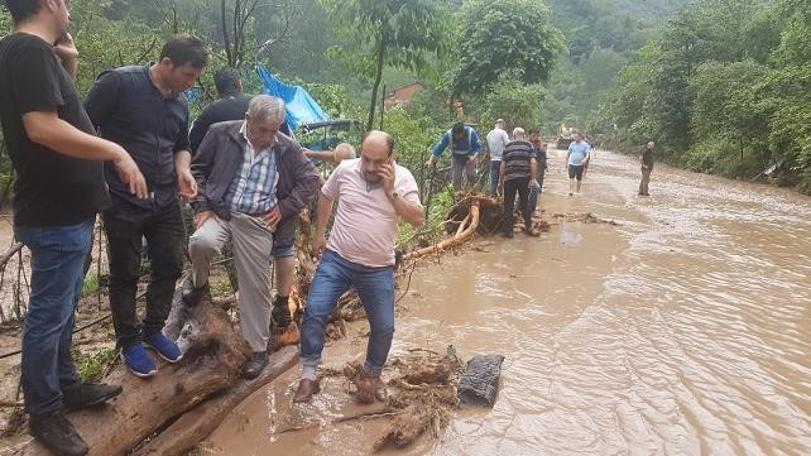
[
  {"x": 505, "y": 36},
  {"x": 399, "y": 33}
]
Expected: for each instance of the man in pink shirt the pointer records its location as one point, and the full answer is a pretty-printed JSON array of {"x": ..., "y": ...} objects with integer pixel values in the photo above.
[{"x": 373, "y": 194}]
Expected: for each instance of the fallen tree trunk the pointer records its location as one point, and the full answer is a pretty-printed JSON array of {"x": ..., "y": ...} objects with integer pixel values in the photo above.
[
  {"x": 213, "y": 357},
  {"x": 196, "y": 425},
  {"x": 465, "y": 231}
]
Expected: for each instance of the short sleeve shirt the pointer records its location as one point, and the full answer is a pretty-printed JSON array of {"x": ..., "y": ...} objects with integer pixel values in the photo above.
[
  {"x": 365, "y": 228},
  {"x": 51, "y": 189},
  {"x": 578, "y": 153}
]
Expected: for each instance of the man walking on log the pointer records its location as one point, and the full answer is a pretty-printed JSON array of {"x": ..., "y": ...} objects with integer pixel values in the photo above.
[
  {"x": 465, "y": 147},
  {"x": 143, "y": 109},
  {"x": 251, "y": 178},
  {"x": 59, "y": 189},
  {"x": 232, "y": 105},
  {"x": 647, "y": 168},
  {"x": 373, "y": 194}
]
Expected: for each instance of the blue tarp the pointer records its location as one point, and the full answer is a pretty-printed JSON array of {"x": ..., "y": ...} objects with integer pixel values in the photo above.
[{"x": 301, "y": 107}]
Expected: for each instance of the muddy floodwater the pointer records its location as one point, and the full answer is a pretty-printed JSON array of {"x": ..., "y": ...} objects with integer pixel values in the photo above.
[{"x": 683, "y": 329}]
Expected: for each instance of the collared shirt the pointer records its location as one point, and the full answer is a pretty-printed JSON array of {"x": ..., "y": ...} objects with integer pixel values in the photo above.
[
  {"x": 366, "y": 223},
  {"x": 518, "y": 156},
  {"x": 129, "y": 110},
  {"x": 496, "y": 141},
  {"x": 253, "y": 190}
]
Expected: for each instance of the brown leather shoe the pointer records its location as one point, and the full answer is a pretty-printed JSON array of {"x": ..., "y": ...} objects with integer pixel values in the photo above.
[
  {"x": 367, "y": 389},
  {"x": 306, "y": 389}
]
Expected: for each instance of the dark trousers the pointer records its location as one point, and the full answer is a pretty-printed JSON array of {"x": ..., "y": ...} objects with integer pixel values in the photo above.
[
  {"x": 520, "y": 185},
  {"x": 163, "y": 229},
  {"x": 643, "y": 184}
]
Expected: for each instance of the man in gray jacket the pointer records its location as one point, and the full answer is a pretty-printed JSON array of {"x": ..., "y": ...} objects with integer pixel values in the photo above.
[{"x": 251, "y": 179}]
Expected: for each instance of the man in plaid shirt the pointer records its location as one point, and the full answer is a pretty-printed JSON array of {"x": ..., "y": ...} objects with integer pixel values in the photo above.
[{"x": 251, "y": 180}]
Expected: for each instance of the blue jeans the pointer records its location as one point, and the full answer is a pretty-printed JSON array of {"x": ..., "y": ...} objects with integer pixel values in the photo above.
[
  {"x": 495, "y": 171},
  {"x": 534, "y": 193},
  {"x": 375, "y": 287},
  {"x": 57, "y": 273}
]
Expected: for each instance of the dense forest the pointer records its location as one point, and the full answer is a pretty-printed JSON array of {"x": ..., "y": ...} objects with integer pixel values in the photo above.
[{"x": 721, "y": 85}]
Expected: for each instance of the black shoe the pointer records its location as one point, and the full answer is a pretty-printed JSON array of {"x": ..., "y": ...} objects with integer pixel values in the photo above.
[
  {"x": 280, "y": 315},
  {"x": 255, "y": 366},
  {"x": 85, "y": 395},
  {"x": 57, "y": 434},
  {"x": 192, "y": 295}
]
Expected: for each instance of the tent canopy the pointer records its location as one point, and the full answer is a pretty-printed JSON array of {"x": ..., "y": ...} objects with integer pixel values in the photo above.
[{"x": 301, "y": 107}]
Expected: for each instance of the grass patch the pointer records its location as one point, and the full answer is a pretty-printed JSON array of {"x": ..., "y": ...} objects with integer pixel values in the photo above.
[
  {"x": 93, "y": 367},
  {"x": 220, "y": 287},
  {"x": 91, "y": 285}
]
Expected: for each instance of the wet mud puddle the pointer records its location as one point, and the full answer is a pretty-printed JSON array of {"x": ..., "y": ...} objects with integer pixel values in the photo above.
[{"x": 681, "y": 329}]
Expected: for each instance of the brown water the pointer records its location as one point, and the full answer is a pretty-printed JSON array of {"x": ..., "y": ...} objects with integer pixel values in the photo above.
[{"x": 681, "y": 331}]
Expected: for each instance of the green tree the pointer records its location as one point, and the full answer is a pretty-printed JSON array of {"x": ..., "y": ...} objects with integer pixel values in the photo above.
[
  {"x": 397, "y": 33},
  {"x": 505, "y": 36}
]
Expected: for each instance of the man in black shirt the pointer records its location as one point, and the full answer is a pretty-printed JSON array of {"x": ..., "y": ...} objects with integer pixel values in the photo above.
[
  {"x": 144, "y": 110},
  {"x": 232, "y": 105},
  {"x": 59, "y": 189}
]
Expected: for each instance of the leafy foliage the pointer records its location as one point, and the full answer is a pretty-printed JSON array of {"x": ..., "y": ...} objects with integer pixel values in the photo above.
[{"x": 505, "y": 36}]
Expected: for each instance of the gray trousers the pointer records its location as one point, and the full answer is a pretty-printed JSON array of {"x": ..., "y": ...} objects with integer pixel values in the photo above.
[
  {"x": 462, "y": 165},
  {"x": 252, "y": 243}
]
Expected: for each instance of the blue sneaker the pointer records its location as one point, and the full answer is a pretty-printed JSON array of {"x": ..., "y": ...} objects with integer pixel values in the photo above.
[
  {"x": 138, "y": 361},
  {"x": 164, "y": 346}
]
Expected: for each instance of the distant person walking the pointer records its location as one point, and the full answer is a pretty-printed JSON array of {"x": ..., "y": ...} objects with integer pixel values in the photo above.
[
  {"x": 577, "y": 159},
  {"x": 519, "y": 170},
  {"x": 647, "y": 167},
  {"x": 465, "y": 146},
  {"x": 497, "y": 139}
]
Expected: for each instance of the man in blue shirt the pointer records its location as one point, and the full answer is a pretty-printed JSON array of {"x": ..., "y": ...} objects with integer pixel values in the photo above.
[
  {"x": 577, "y": 159},
  {"x": 465, "y": 147}
]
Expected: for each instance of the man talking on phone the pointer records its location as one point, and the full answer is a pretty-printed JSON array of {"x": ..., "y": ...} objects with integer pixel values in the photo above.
[
  {"x": 373, "y": 194},
  {"x": 60, "y": 188}
]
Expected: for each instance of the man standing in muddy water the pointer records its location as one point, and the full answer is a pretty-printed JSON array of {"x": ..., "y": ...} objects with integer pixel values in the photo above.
[
  {"x": 373, "y": 194},
  {"x": 647, "y": 167},
  {"x": 577, "y": 159},
  {"x": 59, "y": 189}
]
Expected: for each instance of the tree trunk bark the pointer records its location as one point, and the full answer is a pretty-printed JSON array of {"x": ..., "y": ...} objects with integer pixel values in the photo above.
[
  {"x": 381, "y": 49},
  {"x": 196, "y": 425},
  {"x": 214, "y": 354}
]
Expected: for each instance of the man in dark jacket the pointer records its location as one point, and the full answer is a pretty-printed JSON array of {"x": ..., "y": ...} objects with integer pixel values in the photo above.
[
  {"x": 232, "y": 105},
  {"x": 252, "y": 181},
  {"x": 647, "y": 168}
]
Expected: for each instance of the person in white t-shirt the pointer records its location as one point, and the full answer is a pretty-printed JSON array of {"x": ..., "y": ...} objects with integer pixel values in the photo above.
[
  {"x": 497, "y": 139},
  {"x": 373, "y": 194}
]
